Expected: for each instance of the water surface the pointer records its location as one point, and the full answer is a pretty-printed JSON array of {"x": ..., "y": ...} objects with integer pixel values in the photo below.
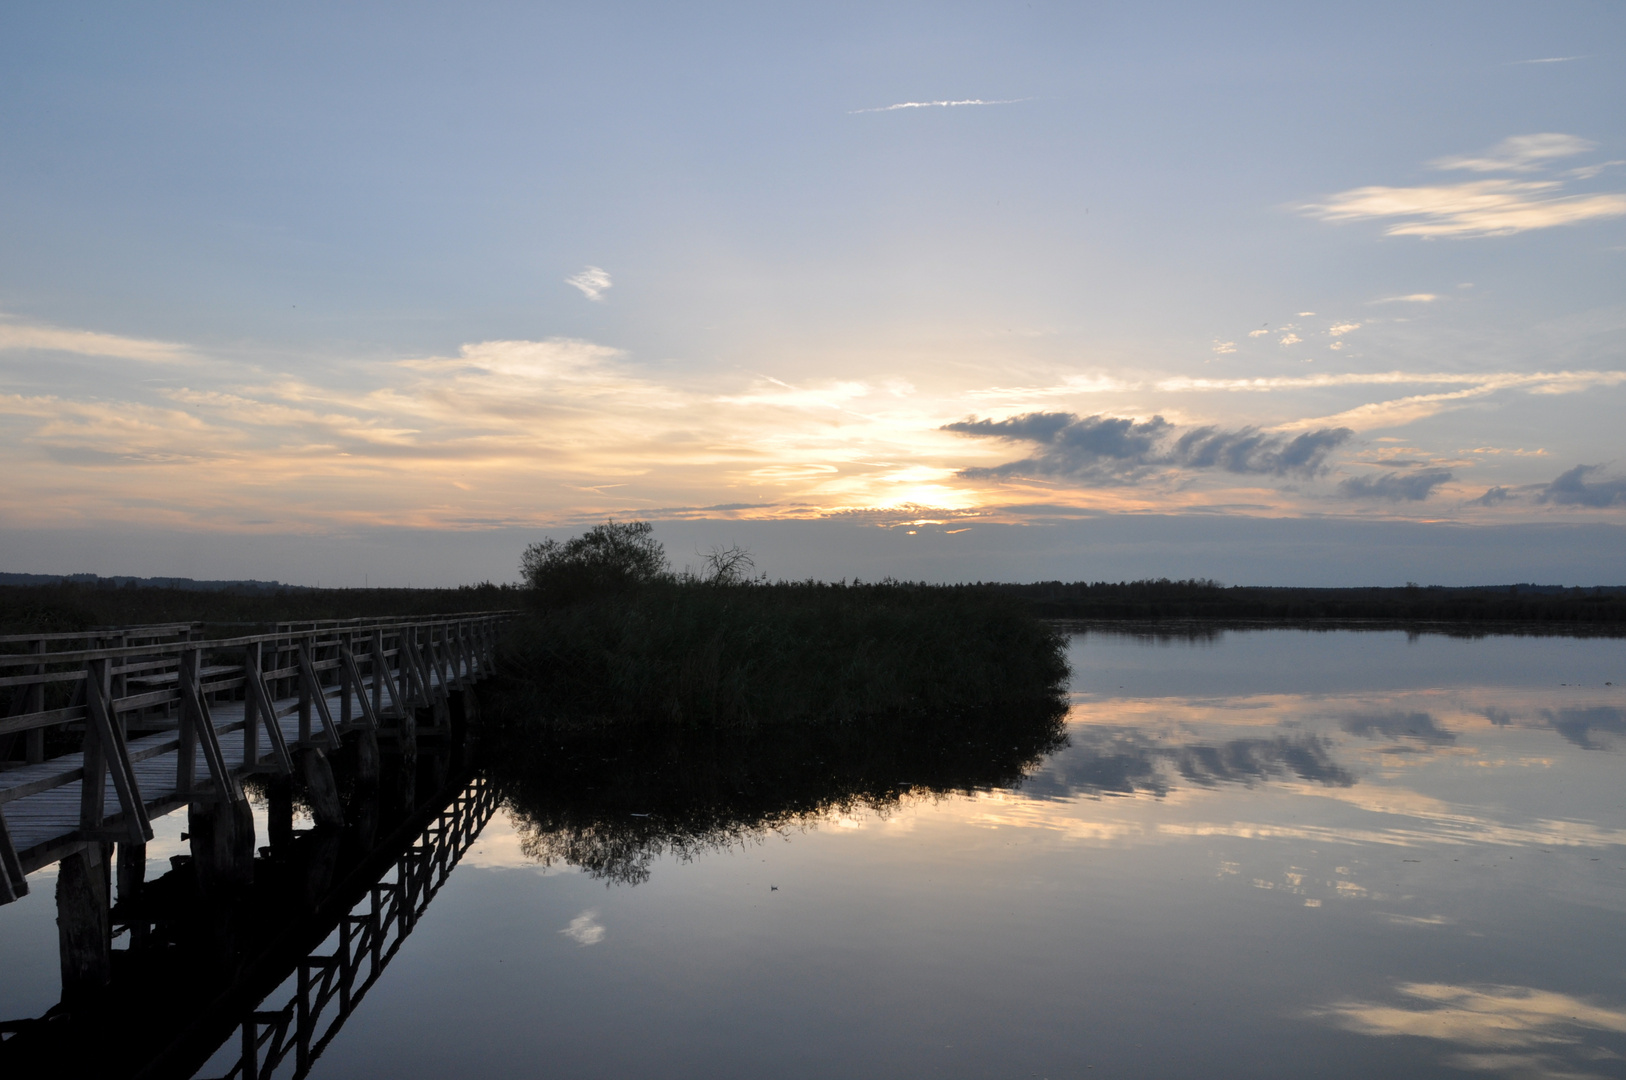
[{"x": 1274, "y": 853}]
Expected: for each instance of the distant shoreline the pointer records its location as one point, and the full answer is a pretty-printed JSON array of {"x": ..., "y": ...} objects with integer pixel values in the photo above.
[{"x": 1196, "y": 629}]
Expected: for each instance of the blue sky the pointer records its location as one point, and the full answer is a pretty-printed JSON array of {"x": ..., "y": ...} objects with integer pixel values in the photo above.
[{"x": 286, "y": 276}]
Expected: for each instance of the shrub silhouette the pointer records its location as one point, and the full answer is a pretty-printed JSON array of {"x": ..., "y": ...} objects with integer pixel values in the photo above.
[{"x": 608, "y": 558}]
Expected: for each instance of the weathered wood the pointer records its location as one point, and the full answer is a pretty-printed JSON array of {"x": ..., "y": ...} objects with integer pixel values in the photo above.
[
  {"x": 132, "y": 870},
  {"x": 311, "y": 690},
  {"x": 84, "y": 923},
  {"x": 320, "y": 788},
  {"x": 13, "y": 882},
  {"x": 55, "y": 806},
  {"x": 279, "y": 817},
  {"x": 196, "y": 708},
  {"x": 251, "y": 708},
  {"x": 267, "y": 711},
  {"x": 394, "y": 677},
  {"x": 367, "y": 762},
  {"x": 105, "y": 733},
  {"x": 222, "y": 836},
  {"x": 353, "y": 684}
]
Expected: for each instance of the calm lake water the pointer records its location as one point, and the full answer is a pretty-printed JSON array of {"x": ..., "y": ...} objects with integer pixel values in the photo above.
[{"x": 1274, "y": 853}]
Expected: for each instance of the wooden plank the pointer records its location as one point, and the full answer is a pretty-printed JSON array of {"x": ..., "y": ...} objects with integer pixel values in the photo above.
[{"x": 49, "y": 718}]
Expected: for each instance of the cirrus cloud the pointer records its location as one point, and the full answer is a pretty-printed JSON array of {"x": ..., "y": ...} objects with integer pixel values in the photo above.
[{"x": 1480, "y": 208}]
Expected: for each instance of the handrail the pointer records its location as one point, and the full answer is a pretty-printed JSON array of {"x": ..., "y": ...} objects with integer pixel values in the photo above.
[
  {"x": 80, "y": 655},
  {"x": 136, "y": 702},
  {"x": 144, "y": 630}
]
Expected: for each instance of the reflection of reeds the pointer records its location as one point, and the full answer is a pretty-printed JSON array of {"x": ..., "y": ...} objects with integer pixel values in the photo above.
[
  {"x": 685, "y": 653},
  {"x": 612, "y": 801}
]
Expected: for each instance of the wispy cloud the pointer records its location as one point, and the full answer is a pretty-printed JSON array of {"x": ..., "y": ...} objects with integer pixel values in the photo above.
[
  {"x": 1480, "y": 208},
  {"x": 501, "y": 433},
  {"x": 936, "y": 105},
  {"x": 1409, "y": 298},
  {"x": 1509, "y": 1030},
  {"x": 1477, "y": 208},
  {"x": 1521, "y": 153},
  {"x": 16, "y": 335},
  {"x": 593, "y": 282},
  {"x": 1546, "y": 60}
]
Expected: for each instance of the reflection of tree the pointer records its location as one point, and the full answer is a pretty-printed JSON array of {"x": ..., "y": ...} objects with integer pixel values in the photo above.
[
  {"x": 614, "y": 801},
  {"x": 1125, "y": 761}
]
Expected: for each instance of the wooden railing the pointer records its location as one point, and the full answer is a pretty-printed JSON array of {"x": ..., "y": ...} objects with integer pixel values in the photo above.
[{"x": 136, "y": 698}]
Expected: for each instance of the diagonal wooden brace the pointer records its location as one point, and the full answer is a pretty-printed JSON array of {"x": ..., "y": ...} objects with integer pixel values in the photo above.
[
  {"x": 382, "y": 673},
  {"x": 318, "y": 696},
  {"x": 267, "y": 711},
  {"x": 195, "y": 715},
  {"x": 104, "y": 730},
  {"x": 358, "y": 687},
  {"x": 13, "y": 882}
]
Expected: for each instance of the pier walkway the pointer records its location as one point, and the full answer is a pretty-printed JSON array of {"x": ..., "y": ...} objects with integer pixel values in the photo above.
[{"x": 123, "y": 725}]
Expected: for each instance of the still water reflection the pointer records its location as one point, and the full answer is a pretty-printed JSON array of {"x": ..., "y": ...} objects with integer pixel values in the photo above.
[{"x": 1269, "y": 853}]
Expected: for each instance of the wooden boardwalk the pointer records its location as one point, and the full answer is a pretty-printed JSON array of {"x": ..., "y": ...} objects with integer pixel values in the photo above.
[{"x": 165, "y": 719}]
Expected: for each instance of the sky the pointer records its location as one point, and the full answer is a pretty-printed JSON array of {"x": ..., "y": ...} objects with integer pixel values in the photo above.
[{"x": 1279, "y": 294}]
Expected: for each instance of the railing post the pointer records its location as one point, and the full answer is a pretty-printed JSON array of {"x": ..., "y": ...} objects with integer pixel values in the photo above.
[
  {"x": 304, "y": 698},
  {"x": 379, "y": 672},
  {"x": 345, "y": 687},
  {"x": 251, "y": 711},
  {"x": 34, "y": 701},
  {"x": 186, "y": 755},
  {"x": 92, "y": 792}
]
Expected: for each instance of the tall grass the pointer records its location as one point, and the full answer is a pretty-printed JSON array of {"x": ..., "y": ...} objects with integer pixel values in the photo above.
[{"x": 738, "y": 656}]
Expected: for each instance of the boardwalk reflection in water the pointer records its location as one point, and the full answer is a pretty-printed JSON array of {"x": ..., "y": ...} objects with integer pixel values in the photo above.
[{"x": 257, "y": 981}]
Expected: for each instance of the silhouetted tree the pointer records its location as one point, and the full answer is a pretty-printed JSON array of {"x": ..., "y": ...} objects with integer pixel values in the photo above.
[{"x": 608, "y": 558}]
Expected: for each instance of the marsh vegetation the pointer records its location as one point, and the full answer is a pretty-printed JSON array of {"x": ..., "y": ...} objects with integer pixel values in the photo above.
[{"x": 614, "y": 637}]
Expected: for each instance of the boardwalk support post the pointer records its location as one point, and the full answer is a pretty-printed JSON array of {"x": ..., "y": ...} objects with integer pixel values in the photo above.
[
  {"x": 320, "y": 787},
  {"x": 84, "y": 922}
]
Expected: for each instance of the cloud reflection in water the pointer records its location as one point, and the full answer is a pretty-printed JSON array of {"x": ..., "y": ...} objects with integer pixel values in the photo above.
[{"x": 1509, "y": 1029}]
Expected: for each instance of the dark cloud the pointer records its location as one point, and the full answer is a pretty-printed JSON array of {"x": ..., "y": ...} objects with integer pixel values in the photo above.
[
  {"x": 1590, "y": 729},
  {"x": 1396, "y": 487},
  {"x": 1125, "y": 762},
  {"x": 1115, "y": 450},
  {"x": 1397, "y": 725},
  {"x": 1101, "y": 762},
  {"x": 1248, "y": 761},
  {"x": 1571, "y": 489},
  {"x": 1494, "y": 496}
]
